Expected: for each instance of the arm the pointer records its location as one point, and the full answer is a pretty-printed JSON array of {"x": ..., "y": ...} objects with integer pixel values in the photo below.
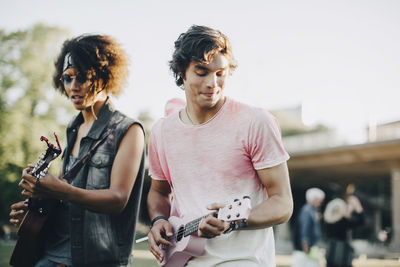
[
  {"x": 275, "y": 210},
  {"x": 278, "y": 207},
  {"x": 158, "y": 204},
  {"x": 112, "y": 200},
  {"x": 305, "y": 224}
]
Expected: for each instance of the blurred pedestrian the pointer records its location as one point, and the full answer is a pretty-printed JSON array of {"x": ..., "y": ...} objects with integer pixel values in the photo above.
[
  {"x": 308, "y": 230},
  {"x": 340, "y": 217}
]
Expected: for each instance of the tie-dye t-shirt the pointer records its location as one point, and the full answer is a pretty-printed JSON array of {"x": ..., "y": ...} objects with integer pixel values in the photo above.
[{"x": 216, "y": 162}]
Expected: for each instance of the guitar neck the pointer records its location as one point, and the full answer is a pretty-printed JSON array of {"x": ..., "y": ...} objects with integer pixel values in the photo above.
[{"x": 193, "y": 226}]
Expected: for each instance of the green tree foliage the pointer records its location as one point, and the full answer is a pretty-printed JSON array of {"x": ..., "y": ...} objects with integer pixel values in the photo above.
[{"x": 29, "y": 106}]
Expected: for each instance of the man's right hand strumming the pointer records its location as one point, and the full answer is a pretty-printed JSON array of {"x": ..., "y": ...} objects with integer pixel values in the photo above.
[{"x": 159, "y": 230}]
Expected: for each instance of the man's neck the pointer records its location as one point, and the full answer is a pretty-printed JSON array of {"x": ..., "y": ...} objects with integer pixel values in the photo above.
[{"x": 195, "y": 115}]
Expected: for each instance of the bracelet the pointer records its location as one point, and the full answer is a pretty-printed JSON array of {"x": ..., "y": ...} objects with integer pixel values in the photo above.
[
  {"x": 235, "y": 226},
  {"x": 232, "y": 226},
  {"x": 156, "y": 219}
]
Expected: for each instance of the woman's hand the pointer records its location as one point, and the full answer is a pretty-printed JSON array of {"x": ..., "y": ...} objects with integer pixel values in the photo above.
[
  {"x": 48, "y": 186},
  {"x": 18, "y": 211}
]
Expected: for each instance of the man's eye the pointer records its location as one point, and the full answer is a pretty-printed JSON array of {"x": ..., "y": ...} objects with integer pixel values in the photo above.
[
  {"x": 201, "y": 73},
  {"x": 221, "y": 74}
]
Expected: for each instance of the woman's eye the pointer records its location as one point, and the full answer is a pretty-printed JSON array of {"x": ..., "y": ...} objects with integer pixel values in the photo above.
[
  {"x": 66, "y": 78},
  {"x": 81, "y": 78}
]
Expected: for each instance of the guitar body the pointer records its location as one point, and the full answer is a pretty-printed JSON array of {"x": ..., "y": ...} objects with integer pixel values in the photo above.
[
  {"x": 184, "y": 247},
  {"x": 29, "y": 246}
]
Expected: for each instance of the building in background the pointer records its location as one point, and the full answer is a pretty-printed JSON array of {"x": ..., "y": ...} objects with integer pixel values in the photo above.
[{"x": 319, "y": 157}]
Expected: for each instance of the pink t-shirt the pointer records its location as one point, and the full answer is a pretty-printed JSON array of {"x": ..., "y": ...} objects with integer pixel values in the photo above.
[{"x": 217, "y": 162}]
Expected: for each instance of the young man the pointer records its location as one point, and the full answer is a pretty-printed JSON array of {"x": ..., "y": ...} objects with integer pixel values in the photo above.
[{"x": 213, "y": 151}]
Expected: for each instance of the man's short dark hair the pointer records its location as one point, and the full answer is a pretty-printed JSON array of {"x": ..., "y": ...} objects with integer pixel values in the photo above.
[
  {"x": 99, "y": 58},
  {"x": 200, "y": 44}
]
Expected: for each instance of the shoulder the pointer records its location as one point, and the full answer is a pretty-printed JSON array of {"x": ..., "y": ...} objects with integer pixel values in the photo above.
[
  {"x": 124, "y": 121},
  {"x": 166, "y": 123},
  {"x": 250, "y": 113}
]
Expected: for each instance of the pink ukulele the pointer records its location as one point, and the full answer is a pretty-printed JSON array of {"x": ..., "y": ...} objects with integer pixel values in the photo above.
[{"x": 186, "y": 245}]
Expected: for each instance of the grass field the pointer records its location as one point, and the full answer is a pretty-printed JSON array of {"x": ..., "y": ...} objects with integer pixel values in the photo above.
[
  {"x": 5, "y": 253},
  {"x": 138, "y": 260}
]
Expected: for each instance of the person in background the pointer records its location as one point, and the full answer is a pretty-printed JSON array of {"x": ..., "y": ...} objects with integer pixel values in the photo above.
[
  {"x": 212, "y": 151},
  {"x": 173, "y": 105},
  {"x": 341, "y": 216},
  {"x": 94, "y": 222},
  {"x": 308, "y": 230}
]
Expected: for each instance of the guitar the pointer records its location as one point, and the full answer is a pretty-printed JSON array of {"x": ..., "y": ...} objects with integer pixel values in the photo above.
[
  {"x": 28, "y": 247},
  {"x": 186, "y": 245}
]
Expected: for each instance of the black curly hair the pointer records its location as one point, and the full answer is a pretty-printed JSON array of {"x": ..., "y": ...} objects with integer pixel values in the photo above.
[{"x": 99, "y": 58}]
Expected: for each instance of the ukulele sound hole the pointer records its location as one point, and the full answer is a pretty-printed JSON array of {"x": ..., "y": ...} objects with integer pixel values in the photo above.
[{"x": 180, "y": 233}]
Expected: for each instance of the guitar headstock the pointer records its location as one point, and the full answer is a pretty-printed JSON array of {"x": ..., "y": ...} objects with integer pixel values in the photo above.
[
  {"x": 238, "y": 210},
  {"x": 52, "y": 152}
]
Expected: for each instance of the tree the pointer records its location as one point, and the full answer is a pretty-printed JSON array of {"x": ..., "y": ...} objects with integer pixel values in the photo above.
[{"x": 29, "y": 106}]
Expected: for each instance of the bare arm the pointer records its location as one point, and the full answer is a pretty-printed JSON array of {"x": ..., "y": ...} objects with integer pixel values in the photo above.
[
  {"x": 158, "y": 204},
  {"x": 112, "y": 200},
  {"x": 278, "y": 207}
]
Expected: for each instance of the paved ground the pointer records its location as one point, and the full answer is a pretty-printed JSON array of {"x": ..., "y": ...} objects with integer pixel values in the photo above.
[{"x": 286, "y": 260}]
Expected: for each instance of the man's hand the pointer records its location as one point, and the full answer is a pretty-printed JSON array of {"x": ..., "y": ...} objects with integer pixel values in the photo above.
[
  {"x": 159, "y": 232},
  {"x": 18, "y": 211},
  {"x": 210, "y": 226},
  {"x": 305, "y": 247}
]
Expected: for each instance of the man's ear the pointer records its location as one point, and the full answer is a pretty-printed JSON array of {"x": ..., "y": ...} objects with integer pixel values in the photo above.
[{"x": 181, "y": 75}]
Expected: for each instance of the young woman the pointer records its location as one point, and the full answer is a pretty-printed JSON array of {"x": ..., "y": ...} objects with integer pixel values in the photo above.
[{"x": 94, "y": 222}]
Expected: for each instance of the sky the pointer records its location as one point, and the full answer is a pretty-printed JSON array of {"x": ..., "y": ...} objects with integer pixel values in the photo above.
[{"x": 339, "y": 59}]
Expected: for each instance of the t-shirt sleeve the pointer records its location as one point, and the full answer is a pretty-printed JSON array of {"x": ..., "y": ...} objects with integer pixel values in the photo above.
[
  {"x": 154, "y": 149},
  {"x": 265, "y": 143}
]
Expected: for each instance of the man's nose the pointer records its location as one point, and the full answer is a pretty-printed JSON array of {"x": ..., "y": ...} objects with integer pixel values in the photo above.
[{"x": 212, "y": 81}]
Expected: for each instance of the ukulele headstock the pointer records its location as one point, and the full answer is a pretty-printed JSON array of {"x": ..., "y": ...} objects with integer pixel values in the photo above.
[{"x": 238, "y": 210}]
